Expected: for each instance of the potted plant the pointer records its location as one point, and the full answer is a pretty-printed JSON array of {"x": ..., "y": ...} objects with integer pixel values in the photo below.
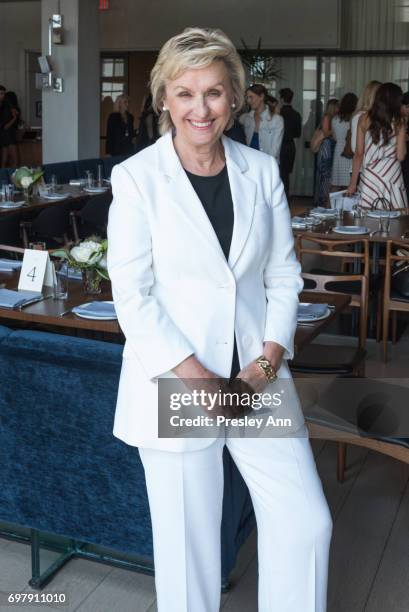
[
  {"x": 89, "y": 256},
  {"x": 25, "y": 178}
]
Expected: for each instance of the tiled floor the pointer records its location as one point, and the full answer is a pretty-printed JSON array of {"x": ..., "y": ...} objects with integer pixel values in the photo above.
[{"x": 369, "y": 569}]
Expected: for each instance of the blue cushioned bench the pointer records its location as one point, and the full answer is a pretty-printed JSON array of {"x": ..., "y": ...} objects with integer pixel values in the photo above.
[{"x": 63, "y": 472}]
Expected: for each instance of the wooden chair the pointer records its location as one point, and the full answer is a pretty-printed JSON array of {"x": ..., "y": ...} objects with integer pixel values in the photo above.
[
  {"x": 14, "y": 250},
  {"x": 355, "y": 284},
  {"x": 392, "y": 300},
  {"x": 337, "y": 360}
]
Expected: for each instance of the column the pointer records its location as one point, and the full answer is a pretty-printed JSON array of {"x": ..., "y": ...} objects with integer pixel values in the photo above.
[{"x": 71, "y": 127}]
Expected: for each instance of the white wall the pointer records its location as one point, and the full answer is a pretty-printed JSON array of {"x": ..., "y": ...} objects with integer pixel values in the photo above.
[
  {"x": 146, "y": 24},
  {"x": 20, "y": 30}
]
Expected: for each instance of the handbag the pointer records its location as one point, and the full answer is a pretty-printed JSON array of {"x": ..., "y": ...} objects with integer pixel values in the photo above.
[
  {"x": 400, "y": 275},
  {"x": 316, "y": 140},
  {"x": 348, "y": 152}
]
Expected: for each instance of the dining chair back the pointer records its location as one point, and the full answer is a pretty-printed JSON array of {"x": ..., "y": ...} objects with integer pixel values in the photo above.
[
  {"x": 10, "y": 229},
  {"x": 92, "y": 218},
  {"x": 397, "y": 257},
  {"x": 355, "y": 283},
  {"x": 52, "y": 226}
]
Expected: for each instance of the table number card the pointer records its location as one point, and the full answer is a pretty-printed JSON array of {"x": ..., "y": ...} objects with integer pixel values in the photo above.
[{"x": 36, "y": 271}]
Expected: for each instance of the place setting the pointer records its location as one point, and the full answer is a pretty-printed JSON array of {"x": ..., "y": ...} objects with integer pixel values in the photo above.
[
  {"x": 309, "y": 313},
  {"x": 102, "y": 310}
]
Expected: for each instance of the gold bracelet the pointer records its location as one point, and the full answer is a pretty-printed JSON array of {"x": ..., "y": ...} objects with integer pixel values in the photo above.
[{"x": 268, "y": 370}]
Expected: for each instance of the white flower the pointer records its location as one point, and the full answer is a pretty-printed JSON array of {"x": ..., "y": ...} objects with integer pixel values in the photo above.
[
  {"x": 26, "y": 181},
  {"x": 88, "y": 252}
]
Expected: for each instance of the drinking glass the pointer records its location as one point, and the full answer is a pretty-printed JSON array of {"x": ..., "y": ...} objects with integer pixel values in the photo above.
[
  {"x": 60, "y": 284},
  {"x": 384, "y": 223},
  {"x": 90, "y": 179},
  {"x": 10, "y": 192},
  {"x": 37, "y": 246},
  {"x": 53, "y": 183},
  {"x": 100, "y": 179}
]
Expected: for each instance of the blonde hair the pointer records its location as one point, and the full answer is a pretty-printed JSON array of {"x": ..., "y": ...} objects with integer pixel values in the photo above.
[
  {"x": 194, "y": 48},
  {"x": 121, "y": 98},
  {"x": 367, "y": 97}
]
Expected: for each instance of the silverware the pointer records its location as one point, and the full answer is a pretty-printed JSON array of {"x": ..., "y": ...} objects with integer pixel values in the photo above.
[
  {"x": 373, "y": 233},
  {"x": 65, "y": 312}
]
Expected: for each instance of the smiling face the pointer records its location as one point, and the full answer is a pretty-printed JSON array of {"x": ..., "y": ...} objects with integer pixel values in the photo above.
[
  {"x": 255, "y": 102},
  {"x": 199, "y": 102}
]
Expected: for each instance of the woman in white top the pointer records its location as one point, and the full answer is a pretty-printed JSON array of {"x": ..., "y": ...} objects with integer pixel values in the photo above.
[
  {"x": 341, "y": 123},
  {"x": 364, "y": 104},
  {"x": 263, "y": 126}
]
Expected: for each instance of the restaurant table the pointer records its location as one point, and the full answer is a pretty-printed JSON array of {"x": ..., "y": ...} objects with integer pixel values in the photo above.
[
  {"x": 76, "y": 192},
  {"x": 399, "y": 230},
  {"x": 49, "y": 311}
]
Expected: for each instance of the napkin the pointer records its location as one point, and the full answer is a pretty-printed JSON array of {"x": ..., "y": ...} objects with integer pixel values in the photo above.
[
  {"x": 96, "y": 309},
  {"x": 298, "y": 221},
  {"x": 320, "y": 210},
  {"x": 311, "y": 311},
  {"x": 17, "y": 299},
  {"x": 76, "y": 182},
  {"x": 8, "y": 265}
]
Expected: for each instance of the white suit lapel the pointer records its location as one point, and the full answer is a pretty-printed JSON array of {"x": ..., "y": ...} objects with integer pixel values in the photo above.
[
  {"x": 243, "y": 191},
  {"x": 180, "y": 191}
]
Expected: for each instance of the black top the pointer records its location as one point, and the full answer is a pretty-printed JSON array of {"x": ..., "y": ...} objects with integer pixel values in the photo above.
[
  {"x": 215, "y": 195},
  {"x": 120, "y": 134},
  {"x": 5, "y": 117},
  {"x": 292, "y": 123}
]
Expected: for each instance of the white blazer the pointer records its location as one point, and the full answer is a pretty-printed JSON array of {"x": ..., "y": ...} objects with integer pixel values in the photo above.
[
  {"x": 271, "y": 131},
  {"x": 174, "y": 292}
]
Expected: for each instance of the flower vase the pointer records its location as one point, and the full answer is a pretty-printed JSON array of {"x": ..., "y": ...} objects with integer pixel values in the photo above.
[
  {"x": 28, "y": 194},
  {"x": 91, "y": 281}
]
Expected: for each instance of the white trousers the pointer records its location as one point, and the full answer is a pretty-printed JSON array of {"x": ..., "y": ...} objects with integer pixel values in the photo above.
[{"x": 294, "y": 526}]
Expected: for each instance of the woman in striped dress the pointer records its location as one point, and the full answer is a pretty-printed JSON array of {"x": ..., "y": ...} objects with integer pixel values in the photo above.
[{"x": 380, "y": 147}]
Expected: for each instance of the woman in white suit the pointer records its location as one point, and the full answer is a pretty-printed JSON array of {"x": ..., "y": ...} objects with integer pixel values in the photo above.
[
  {"x": 263, "y": 126},
  {"x": 205, "y": 284}
]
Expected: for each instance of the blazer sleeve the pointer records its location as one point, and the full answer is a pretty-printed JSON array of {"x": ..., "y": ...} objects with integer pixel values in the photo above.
[
  {"x": 282, "y": 273},
  {"x": 153, "y": 336},
  {"x": 277, "y": 138}
]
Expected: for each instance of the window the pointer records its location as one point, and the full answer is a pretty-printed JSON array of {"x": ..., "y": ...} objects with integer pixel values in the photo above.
[{"x": 114, "y": 71}]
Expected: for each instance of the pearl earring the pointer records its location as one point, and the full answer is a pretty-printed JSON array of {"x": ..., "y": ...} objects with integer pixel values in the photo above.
[
  {"x": 233, "y": 105},
  {"x": 164, "y": 108}
]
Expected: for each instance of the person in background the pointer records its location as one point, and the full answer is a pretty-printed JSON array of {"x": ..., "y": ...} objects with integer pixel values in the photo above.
[
  {"x": 148, "y": 126},
  {"x": 364, "y": 104},
  {"x": 325, "y": 155},
  {"x": 380, "y": 147},
  {"x": 292, "y": 129},
  {"x": 5, "y": 117},
  {"x": 405, "y": 162},
  {"x": 120, "y": 129},
  {"x": 10, "y": 128},
  {"x": 341, "y": 123},
  {"x": 263, "y": 127},
  {"x": 236, "y": 132}
]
